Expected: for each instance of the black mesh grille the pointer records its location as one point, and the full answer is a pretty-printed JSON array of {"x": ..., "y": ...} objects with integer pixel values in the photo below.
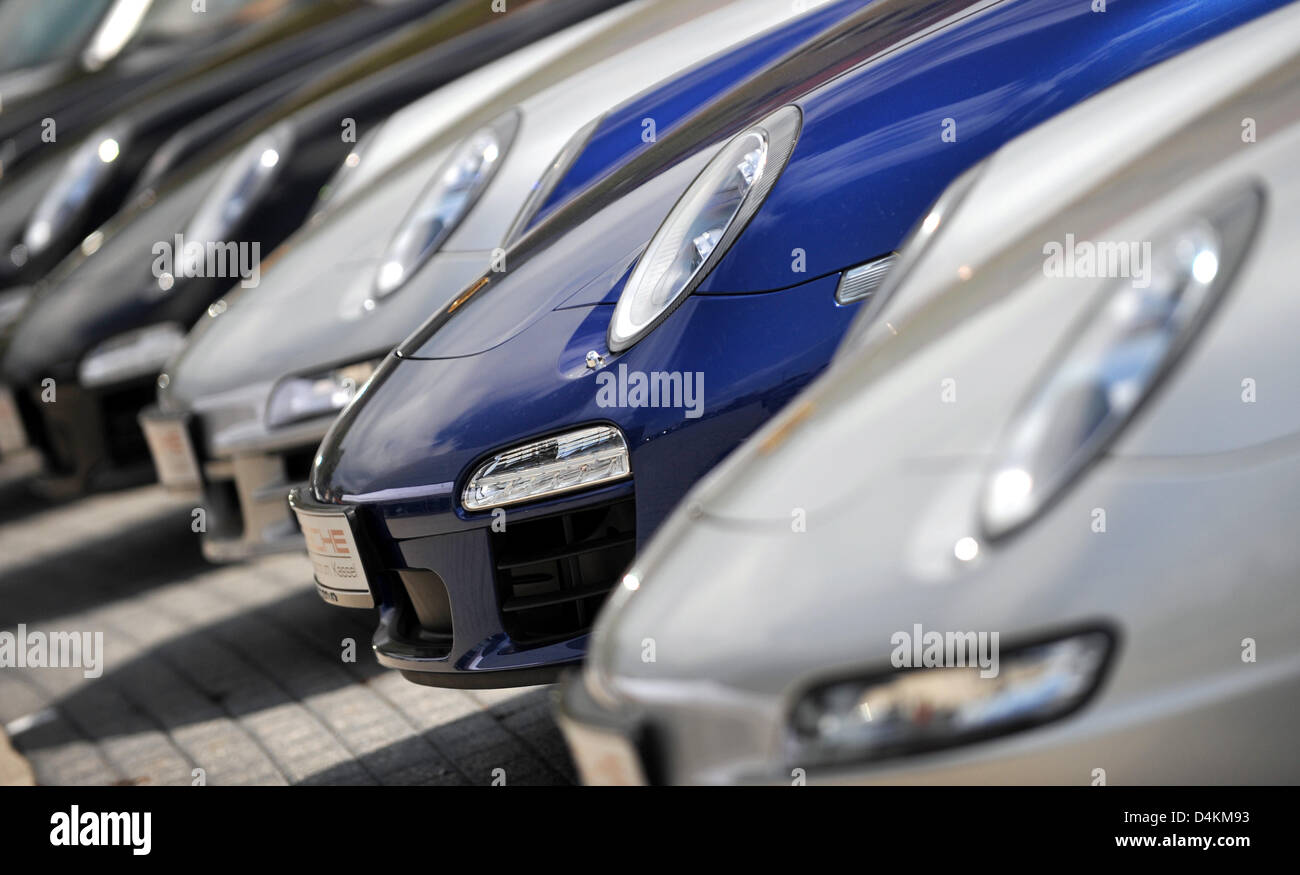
[{"x": 553, "y": 573}]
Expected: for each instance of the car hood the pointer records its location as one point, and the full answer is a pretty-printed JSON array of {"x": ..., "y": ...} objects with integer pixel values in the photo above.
[
  {"x": 308, "y": 312},
  {"x": 873, "y": 155},
  {"x": 875, "y": 92}
]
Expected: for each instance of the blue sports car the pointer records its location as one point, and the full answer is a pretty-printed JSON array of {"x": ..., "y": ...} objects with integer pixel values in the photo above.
[{"x": 496, "y": 475}]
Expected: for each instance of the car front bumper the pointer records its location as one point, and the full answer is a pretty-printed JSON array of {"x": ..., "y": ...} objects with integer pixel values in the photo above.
[
  {"x": 429, "y": 555},
  {"x": 473, "y": 606},
  {"x": 1205, "y": 654},
  {"x": 87, "y": 438},
  {"x": 1183, "y": 736}
]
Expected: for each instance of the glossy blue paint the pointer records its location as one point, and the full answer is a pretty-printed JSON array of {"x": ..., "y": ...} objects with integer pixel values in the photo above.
[
  {"x": 618, "y": 136},
  {"x": 871, "y": 156},
  {"x": 507, "y": 363},
  {"x": 550, "y": 389}
]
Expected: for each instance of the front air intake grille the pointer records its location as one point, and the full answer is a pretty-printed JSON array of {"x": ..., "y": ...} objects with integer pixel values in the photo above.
[
  {"x": 553, "y": 573},
  {"x": 424, "y": 615}
]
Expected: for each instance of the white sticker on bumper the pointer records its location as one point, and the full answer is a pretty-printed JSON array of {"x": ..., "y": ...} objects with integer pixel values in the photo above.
[
  {"x": 173, "y": 453},
  {"x": 336, "y": 562}
]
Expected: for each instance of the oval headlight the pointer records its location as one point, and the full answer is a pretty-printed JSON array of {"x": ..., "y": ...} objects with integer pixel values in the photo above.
[
  {"x": 141, "y": 352},
  {"x": 455, "y": 188},
  {"x": 118, "y": 27},
  {"x": 703, "y": 224},
  {"x": 245, "y": 180},
  {"x": 306, "y": 397},
  {"x": 81, "y": 178},
  {"x": 1117, "y": 356}
]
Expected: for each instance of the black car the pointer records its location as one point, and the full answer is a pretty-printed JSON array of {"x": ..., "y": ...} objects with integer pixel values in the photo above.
[{"x": 58, "y": 192}]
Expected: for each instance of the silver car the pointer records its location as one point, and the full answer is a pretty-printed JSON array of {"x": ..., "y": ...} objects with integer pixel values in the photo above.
[
  {"x": 1037, "y": 522},
  {"x": 441, "y": 189}
]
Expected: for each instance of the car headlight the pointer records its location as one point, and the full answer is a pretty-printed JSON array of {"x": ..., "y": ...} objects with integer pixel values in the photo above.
[
  {"x": 539, "y": 469},
  {"x": 456, "y": 186},
  {"x": 297, "y": 398},
  {"x": 1116, "y": 358},
  {"x": 82, "y": 177},
  {"x": 244, "y": 181},
  {"x": 703, "y": 224},
  {"x": 918, "y": 709},
  {"x": 139, "y": 353}
]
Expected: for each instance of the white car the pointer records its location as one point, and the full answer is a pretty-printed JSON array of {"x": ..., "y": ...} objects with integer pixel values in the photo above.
[{"x": 1036, "y": 524}]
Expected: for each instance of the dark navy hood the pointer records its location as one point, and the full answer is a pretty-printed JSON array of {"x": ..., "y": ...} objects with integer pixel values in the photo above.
[
  {"x": 872, "y": 155},
  {"x": 622, "y": 132}
]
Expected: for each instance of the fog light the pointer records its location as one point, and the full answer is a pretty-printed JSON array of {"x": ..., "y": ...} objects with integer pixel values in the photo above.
[
  {"x": 918, "y": 709},
  {"x": 576, "y": 460},
  {"x": 139, "y": 353},
  {"x": 298, "y": 398}
]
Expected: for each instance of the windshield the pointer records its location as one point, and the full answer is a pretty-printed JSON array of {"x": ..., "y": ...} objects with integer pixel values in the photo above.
[{"x": 35, "y": 32}]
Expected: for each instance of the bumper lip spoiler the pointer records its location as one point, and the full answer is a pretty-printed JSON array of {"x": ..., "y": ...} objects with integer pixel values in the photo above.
[
  {"x": 432, "y": 664},
  {"x": 436, "y": 663}
]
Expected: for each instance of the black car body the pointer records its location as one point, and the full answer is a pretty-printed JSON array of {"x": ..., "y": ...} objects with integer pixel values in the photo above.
[{"x": 57, "y": 192}]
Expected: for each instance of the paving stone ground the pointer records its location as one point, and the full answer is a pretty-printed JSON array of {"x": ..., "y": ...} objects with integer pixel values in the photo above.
[{"x": 235, "y": 670}]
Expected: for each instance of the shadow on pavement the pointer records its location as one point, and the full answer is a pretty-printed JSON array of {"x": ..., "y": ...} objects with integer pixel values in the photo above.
[
  {"x": 264, "y": 662},
  {"x": 95, "y": 571}
]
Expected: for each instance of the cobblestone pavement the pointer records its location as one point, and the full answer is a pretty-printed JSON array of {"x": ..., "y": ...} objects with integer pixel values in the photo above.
[{"x": 235, "y": 670}]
